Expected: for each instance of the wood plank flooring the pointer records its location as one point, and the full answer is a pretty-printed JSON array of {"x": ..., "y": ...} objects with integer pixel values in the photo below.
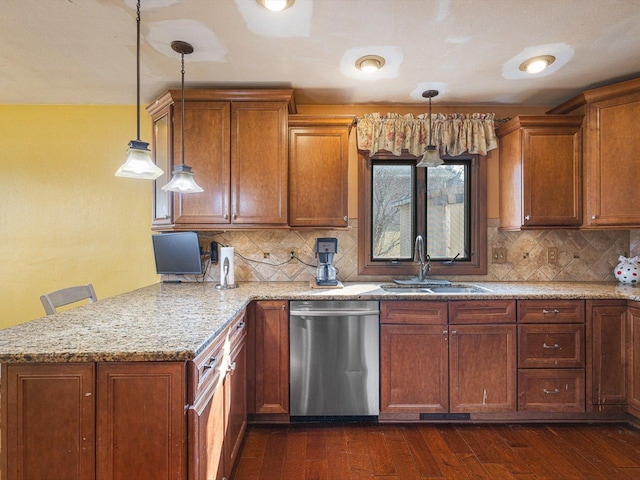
[{"x": 419, "y": 452}]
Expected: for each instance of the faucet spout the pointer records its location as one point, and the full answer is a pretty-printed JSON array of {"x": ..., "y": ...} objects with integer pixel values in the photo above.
[{"x": 418, "y": 256}]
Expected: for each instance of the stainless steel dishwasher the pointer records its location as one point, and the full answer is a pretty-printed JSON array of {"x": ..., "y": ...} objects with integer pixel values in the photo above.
[{"x": 334, "y": 358}]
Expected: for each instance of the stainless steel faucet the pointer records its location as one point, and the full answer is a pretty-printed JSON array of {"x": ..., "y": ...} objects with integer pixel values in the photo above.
[{"x": 418, "y": 256}]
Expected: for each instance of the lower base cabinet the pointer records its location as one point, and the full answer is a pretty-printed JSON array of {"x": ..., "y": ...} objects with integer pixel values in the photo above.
[
  {"x": 126, "y": 420},
  {"x": 48, "y": 408},
  {"x": 429, "y": 367},
  {"x": 633, "y": 374}
]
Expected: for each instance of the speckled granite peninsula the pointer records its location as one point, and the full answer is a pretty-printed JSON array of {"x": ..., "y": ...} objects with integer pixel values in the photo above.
[{"x": 175, "y": 322}]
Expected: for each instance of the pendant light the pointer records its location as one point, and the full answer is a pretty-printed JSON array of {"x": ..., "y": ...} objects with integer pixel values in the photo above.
[
  {"x": 138, "y": 163},
  {"x": 430, "y": 158},
  {"x": 182, "y": 181}
]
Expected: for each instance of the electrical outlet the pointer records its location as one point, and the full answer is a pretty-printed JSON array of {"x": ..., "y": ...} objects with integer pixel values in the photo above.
[
  {"x": 552, "y": 255},
  {"x": 499, "y": 255},
  {"x": 266, "y": 254},
  {"x": 293, "y": 252}
]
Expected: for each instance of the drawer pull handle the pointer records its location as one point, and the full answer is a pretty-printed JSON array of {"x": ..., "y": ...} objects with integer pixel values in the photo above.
[
  {"x": 212, "y": 362},
  {"x": 555, "y": 391},
  {"x": 554, "y": 311},
  {"x": 555, "y": 345}
]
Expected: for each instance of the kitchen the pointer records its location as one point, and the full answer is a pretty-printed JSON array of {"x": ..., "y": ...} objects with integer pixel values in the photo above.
[{"x": 63, "y": 226}]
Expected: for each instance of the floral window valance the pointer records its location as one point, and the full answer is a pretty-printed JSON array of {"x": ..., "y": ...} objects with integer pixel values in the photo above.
[{"x": 452, "y": 134}]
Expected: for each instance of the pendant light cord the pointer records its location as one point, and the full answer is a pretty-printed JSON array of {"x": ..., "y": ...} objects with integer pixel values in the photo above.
[
  {"x": 429, "y": 120},
  {"x": 138, "y": 70},
  {"x": 182, "y": 110}
]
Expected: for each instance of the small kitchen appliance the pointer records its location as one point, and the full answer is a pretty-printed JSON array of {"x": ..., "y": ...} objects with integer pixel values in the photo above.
[{"x": 326, "y": 248}]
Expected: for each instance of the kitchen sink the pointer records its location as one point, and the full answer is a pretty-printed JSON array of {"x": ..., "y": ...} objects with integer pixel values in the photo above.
[{"x": 434, "y": 289}]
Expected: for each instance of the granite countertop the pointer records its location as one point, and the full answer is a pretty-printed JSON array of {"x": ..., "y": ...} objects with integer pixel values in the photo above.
[{"x": 175, "y": 322}]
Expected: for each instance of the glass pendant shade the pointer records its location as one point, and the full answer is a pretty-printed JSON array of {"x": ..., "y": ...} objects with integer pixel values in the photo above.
[
  {"x": 139, "y": 163},
  {"x": 182, "y": 181},
  {"x": 431, "y": 158}
]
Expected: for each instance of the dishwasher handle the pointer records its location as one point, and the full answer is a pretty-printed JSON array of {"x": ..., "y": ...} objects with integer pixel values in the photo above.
[{"x": 333, "y": 313}]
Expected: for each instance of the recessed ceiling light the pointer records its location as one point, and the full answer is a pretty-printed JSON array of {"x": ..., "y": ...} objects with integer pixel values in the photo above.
[
  {"x": 276, "y": 5},
  {"x": 370, "y": 63},
  {"x": 537, "y": 64}
]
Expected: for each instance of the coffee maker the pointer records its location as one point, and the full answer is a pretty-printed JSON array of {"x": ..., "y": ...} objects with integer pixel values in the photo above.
[{"x": 326, "y": 248}]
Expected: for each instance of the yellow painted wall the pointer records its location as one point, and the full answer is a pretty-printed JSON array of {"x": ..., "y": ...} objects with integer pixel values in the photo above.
[{"x": 65, "y": 218}]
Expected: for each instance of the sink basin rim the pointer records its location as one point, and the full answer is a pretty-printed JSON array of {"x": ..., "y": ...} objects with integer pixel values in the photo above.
[{"x": 435, "y": 289}]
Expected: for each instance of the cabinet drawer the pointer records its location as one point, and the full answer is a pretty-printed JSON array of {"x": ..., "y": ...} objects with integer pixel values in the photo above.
[
  {"x": 551, "y": 390},
  {"x": 551, "y": 311},
  {"x": 482, "y": 311},
  {"x": 541, "y": 346},
  {"x": 204, "y": 370},
  {"x": 413, "y": 312}
]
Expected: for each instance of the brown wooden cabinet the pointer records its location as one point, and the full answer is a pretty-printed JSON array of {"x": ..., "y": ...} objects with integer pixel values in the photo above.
[
  {"x": 236, "y": 143},
  {"x": 607, "y": 353},
  {"x": 318, "y": 170},
  {"x": 141, "y": 420},
  {"x": 268, "y": 377},
  {"x": 414, "y": 357},
  {"x": 611, "y": 174},
  {"x": 551, "y": 356},
  {"x": 429, "y": 367},
  {"x": 540, "y": 172},
  {"x": 482, "y": 363},
  {"x": 218, "y": 417},
  {"x": 50, "y": 421},
  {"x": 633, "y": 373}
]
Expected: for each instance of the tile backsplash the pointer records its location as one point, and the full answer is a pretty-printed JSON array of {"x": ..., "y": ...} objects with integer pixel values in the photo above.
[{"x": 264, "y": 255}]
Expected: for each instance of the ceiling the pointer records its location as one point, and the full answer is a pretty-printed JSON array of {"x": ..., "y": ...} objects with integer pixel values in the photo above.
[{"x": 83, "y": 51}]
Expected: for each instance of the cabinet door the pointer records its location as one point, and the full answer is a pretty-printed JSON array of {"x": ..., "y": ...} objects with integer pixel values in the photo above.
[
  {"x": 259, "y": 163},
  {"x": 634, "y": 359},
  {"x": 51, "y": 422},
  {"x": 318, "y": 169},
  {"x": 161, "y": 145},
  {"x": 206, "y": 150},
  {"x": 482, "y": 363},
  {"x": 235, "y": 403},
  {"x": 551, "y": 175},
  {"x": 413, "y": 369},
  {"x": 206, "y": 420},
  {"x": 269, "y": 382},
  {"x": 612, "y": 173},
  {"x": 607, "y": 326},
  {"x": 141, "y": 420}
]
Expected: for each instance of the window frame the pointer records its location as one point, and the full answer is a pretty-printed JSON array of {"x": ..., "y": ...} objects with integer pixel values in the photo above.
[{"x": 477, "y": 265}]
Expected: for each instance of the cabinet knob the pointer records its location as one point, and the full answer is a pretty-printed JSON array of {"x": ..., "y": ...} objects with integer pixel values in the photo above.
[
  {"x": 233, "y": 366},
  {"x": 235, "y": 217},
  {"x": 240, "y": 326},
  {"x": 226, "y": 216},
  {"x": 345, "y": 218},
  {"x": 593, "y": 217},
  {"x": 528, "y": 217},
  {"x": 454, "y": 332}
]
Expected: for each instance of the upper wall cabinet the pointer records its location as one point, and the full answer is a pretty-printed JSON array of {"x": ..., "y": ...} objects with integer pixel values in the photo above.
[
  {"x": 236, "y": 143},
  {"x": 612, "y": 143},
  {"x": 318, "y": 170},
  {"x": 540, "y": 172}
]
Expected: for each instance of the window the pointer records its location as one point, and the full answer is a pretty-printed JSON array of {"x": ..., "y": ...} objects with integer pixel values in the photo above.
[{"x": 445, "y": 204}]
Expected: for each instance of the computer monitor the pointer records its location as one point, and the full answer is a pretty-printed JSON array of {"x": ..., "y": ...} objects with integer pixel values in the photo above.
[{"x": 177, "y": 253}]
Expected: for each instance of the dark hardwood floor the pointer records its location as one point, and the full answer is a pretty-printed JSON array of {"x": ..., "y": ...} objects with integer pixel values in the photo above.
[{"x": 408, "y": 452}]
